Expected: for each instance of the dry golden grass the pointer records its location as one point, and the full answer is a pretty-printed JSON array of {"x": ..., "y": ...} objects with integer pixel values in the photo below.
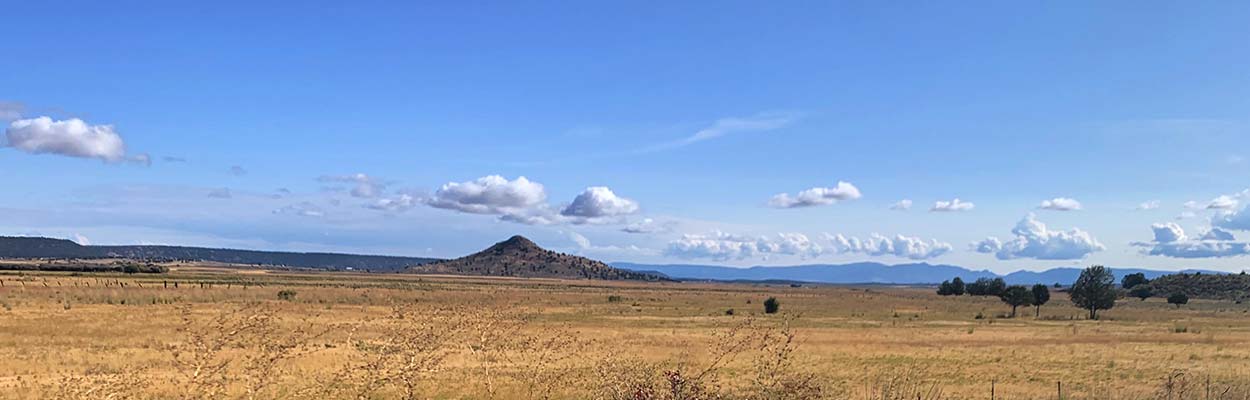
[{"x": 208, "y": 332}]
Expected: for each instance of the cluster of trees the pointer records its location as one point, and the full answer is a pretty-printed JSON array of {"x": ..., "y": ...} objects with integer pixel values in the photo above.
[
  {"x": 1014, "y": 295},
  {"x": 1095, "y": 290}
]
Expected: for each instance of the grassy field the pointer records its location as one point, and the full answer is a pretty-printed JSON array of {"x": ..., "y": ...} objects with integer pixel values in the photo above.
[{"x": 208, "y": 332}]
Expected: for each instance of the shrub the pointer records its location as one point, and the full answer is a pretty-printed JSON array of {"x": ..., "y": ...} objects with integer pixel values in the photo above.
[
  {"x": 771, "y": 305},
  {"x": 1133, "y": 280},
  {"x": 1178, "y": 299},
  {"x": 614, "y": 299},
  {"x": 1141, "y": 292},
  {"x": 944, "y": 289},
  {"x": 286, "y": 294}
]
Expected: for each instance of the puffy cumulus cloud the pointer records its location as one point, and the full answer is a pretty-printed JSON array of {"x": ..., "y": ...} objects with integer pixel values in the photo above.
[
  {"x": 1060, "y": 204},
  {"x": 901, "y": 205},
  {"x": 1170, "y": 241},
  {"x": 1148, "y": 205},
  {"x": 724, "y": 246},
  {"x": 399, "y": 203},
  {"x": 1168, "y": 233},
  {"x": 951, "y": 206},
  {"x": 492, "y": 194},
  {"x": 71, "y": 137},
  {"x": 303, "y": 209},
  {"x": 363, "y": 185},
  {"x": 817, "y": 196},
  {"x": 899, "y": 246},
  {"x": 1034, "y": 240},
  {"x": 220, "y": 193},
  {"x": 523, "y": 201},
  {"x": 1235, "y": 220},
  {"x": 599, "y": 202}
]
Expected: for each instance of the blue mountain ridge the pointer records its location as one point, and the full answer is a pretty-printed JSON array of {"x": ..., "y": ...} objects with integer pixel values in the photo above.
[{"x": 876, "y": 273}]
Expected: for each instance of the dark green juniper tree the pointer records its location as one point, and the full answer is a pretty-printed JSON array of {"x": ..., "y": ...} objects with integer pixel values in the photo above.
[
  {"x": 1041, "y": 295},
  {"x": 1016, "y": 296},
  {"x": 1094, "y": 290}
]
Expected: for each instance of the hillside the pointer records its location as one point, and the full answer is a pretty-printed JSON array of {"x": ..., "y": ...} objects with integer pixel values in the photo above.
[
  {"x": 520, "y": 257},
  {"x": 36, "y": 247},
  {"x": 1203, "y": 286}
]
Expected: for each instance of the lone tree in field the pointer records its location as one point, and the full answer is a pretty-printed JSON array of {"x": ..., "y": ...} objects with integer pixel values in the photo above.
[
  {"x": 1016, "y": 296},
  {"x": 1178, "y": 299},
  {"x": 1133, "y": 280},
  {"x": 1141, "y": 292},
  {"x": 1094, "y": 290},
  {"x": 1041, "y": 295},
  {"x": 771, "y": 305},
  {"x": 957, "y": 286}
]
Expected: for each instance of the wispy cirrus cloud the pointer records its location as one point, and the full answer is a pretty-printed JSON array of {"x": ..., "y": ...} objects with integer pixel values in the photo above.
[{"x": 762, "y": 122}]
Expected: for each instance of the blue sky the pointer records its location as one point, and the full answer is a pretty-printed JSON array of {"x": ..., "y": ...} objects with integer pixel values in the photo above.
[{"x": 378, "y": 127}]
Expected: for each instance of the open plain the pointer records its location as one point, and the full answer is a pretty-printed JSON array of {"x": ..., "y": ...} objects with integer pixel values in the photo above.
[{"x": 213, "y": 332}]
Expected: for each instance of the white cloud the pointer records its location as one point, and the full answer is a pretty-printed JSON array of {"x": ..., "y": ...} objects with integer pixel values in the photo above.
[
  {"x": 723, "y": 246},
  {"x": 141, "y": 159},
  {"x": 1224, "y": 202},
  {"x": 953, "y": 205},
  {"x": 11, "y": 110},
  {"x": 816, "y": 196},
  {"x": 648, "y": 225},
  {"x": 492, "y": 194},
  {"x": 1170, "y": 241},
  {"x": 1192, "y": 205},
  {"x": 71, "y": 137},
  {"x": 399, "y": 203},
  {"x": 221, "y": 193},
  {"x": 1060, "y": 204},
  {"x": 599, "y": 202},
  {"x": 900, "y": 246},
  {"x": 303, "y": 209},
  {"x": 1168, "y": 232},
  {"x": 1033, "y": 240},
  {"x": 901, "y": 205},
  {"x": 1149, "y": 205},
  {"x": 1235, "y": 220},
  {"x": 365, "y": 186},
  {"x": 585, "y": 246},
  {"x": 725, "y": 126},
  {"x": 1217, "y": 234}
]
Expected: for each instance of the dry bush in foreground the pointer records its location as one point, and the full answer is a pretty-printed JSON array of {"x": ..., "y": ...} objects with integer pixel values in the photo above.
[
  {"x": 1183, "y": 385},
  {"x": 776, "y": 374},
  {"x": 902, "y": 384}
]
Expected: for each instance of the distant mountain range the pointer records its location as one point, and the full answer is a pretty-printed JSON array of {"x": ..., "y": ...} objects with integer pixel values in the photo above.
[
  {"x": 871, "y": 272},
  {"x": 37, "y": 247},
  {"x": 521, "y": 257}
]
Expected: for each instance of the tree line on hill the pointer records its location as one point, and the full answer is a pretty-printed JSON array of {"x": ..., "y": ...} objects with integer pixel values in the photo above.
[{"x": 1095, "y": 289}]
